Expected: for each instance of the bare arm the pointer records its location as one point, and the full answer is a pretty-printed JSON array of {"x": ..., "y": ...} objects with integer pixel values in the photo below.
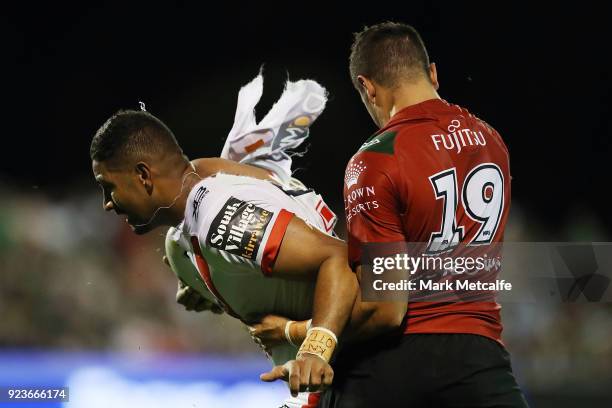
[
  {"x": 371, "y": 318},
  {"x": 303, "y": 253},
  {"x": 367, "y": 320},
  {"x": 307, "y": 253}
]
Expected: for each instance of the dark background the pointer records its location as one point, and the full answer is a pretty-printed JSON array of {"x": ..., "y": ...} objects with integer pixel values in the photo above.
[{"x": 541, "y": 76}]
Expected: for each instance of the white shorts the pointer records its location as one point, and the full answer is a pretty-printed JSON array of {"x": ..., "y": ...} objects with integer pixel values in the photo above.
[{"x": 303, "y": 400}]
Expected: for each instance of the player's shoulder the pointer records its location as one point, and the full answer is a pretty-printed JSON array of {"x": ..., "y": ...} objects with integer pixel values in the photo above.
[
  {"x": 213, "y": 192},
  {"x": 222, "y": 184},
  {"x": 399, "y": 135},
  {"x": 381, "y": 149},
  {"x": 484, "y": 132},
  {"x": 445, "y": 120}
]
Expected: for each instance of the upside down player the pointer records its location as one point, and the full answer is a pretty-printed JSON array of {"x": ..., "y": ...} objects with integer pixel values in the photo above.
[
  {"x": 142, "y": 169},
  {"x": 421, "y": 184},
  {"x": 256, "y": 257}
]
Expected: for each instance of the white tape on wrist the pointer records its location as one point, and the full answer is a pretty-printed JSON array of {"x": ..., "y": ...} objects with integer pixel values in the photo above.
[
  {"x": 323, "y": 329},
  {"x": 288, "y": 332},
  {"x": 320, "y": 342}
]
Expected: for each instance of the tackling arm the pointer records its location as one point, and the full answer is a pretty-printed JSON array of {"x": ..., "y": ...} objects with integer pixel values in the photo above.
[{"x": 307, "y": 253}]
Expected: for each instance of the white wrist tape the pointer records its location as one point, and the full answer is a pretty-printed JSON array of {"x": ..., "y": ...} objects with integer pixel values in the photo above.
[
  {"x": 319, "y": 341},
  {"x": 323, "y": 329},
  {"x": 288, "y": 332}
]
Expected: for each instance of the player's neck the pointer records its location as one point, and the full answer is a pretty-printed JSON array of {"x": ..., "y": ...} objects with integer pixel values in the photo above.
[
  {"x": 188, "y": 179},
  {"x": 409, "y": 95}
]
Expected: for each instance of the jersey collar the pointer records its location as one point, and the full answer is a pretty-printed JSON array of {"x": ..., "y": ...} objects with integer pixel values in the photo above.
[{"x": 425, "y": 110}]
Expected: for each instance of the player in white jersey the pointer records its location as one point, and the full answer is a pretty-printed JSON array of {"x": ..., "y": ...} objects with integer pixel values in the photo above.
[
  {"x": 232, "y": 230},
  {"x": 238, "y": 229},
  {"x": 153, "y": 191},
  {"x": 258, "y": 248}
]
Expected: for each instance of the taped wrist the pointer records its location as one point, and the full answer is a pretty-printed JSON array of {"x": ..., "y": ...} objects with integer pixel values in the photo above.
[{"x": 319, "y": 341}]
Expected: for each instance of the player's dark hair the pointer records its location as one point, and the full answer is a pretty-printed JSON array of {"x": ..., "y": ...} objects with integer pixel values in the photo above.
[
  {"x": 388, "y": 53},
  {"x": 134, "y": 134}
]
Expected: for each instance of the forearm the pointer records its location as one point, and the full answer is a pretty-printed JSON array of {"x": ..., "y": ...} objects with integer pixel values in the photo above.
[
  {"x": 297, "y": 331},
  {"x": 338, "y": 302},
  {"x": 307, "y": 253},
  {"x": 335, "y": 293},
  {"x": 369, "y": 319}
]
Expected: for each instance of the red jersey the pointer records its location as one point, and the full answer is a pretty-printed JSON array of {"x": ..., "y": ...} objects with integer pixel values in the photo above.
[{"x": 434, "y": 174}]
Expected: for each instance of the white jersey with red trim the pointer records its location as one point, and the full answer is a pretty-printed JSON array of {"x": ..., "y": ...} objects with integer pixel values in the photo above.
[{"x": 233, "y": 229}]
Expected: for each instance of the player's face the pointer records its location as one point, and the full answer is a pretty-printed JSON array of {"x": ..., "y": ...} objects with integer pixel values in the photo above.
[{"x": 123, "y": 193}]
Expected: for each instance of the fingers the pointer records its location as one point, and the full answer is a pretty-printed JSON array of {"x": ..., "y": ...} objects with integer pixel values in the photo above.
[
  {"x": 321, "y": 377},
  {"x": 181, "y": 294},
  {"x": 294, "y": 376},
  {"x": 316, "y": 377},
  {"x": 289, "y": 372},
  {"x": 202, "y": 304},
  {"x": 277, "y": 373},
  {"x": 316, "y": 374},
  {"x": 308, "y": 374},
  {"x": 328, "y": 378},
  {"x": 255, "y": 329},
  {"x": 257, "y": 340},
  {"x": 194, "y": 301},
  {"x": 305, "y": 374},
  {"x": 191, "y": 299}
]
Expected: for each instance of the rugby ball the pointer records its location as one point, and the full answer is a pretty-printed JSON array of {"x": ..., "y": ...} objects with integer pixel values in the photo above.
[{"x": 182, "y": 266}]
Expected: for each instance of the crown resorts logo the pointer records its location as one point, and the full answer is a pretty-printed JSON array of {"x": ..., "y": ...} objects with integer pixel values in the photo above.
[{"x": 352, "y": 173}]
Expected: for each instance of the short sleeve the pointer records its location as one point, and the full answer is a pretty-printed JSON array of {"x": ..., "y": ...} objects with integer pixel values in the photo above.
[
  {"x": 373, "y": 202},
  {"x": 244, "y": 224}
]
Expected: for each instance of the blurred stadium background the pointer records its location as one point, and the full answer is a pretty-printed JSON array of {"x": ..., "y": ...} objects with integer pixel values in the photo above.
[{"x": 86, "y": 304}]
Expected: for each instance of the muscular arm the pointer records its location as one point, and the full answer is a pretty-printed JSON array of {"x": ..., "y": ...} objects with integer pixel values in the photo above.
[
  {"x": 371, "y": 318},
  {"x": 307, "y": 253},
  {"x": 367, "y": 320}
]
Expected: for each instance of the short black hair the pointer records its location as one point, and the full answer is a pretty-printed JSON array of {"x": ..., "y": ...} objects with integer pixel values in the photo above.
[
  {"x": 387, "y": 53},
  {"x": 132, "y": 134}
]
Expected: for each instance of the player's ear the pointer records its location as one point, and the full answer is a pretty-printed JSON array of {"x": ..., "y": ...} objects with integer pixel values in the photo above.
[
  {"x": 144, "y": 175},
  {"x": 433, "y": 75},
  {"x": 367, "y": 87}
]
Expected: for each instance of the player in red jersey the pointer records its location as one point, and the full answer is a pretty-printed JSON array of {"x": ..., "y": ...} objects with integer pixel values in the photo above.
[{"x": 434, "y": 174}]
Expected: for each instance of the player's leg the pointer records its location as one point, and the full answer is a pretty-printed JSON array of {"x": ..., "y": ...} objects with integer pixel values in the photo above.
[
  {"x": 386, "y": 372},
  {"x": 475, "y": 372}
]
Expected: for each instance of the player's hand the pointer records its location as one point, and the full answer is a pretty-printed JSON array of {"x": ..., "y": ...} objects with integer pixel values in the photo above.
[
  {"x": 270, "y": 330},
  {"x": 307, "y": 373},
  {"x": 191, "y": 299}
]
